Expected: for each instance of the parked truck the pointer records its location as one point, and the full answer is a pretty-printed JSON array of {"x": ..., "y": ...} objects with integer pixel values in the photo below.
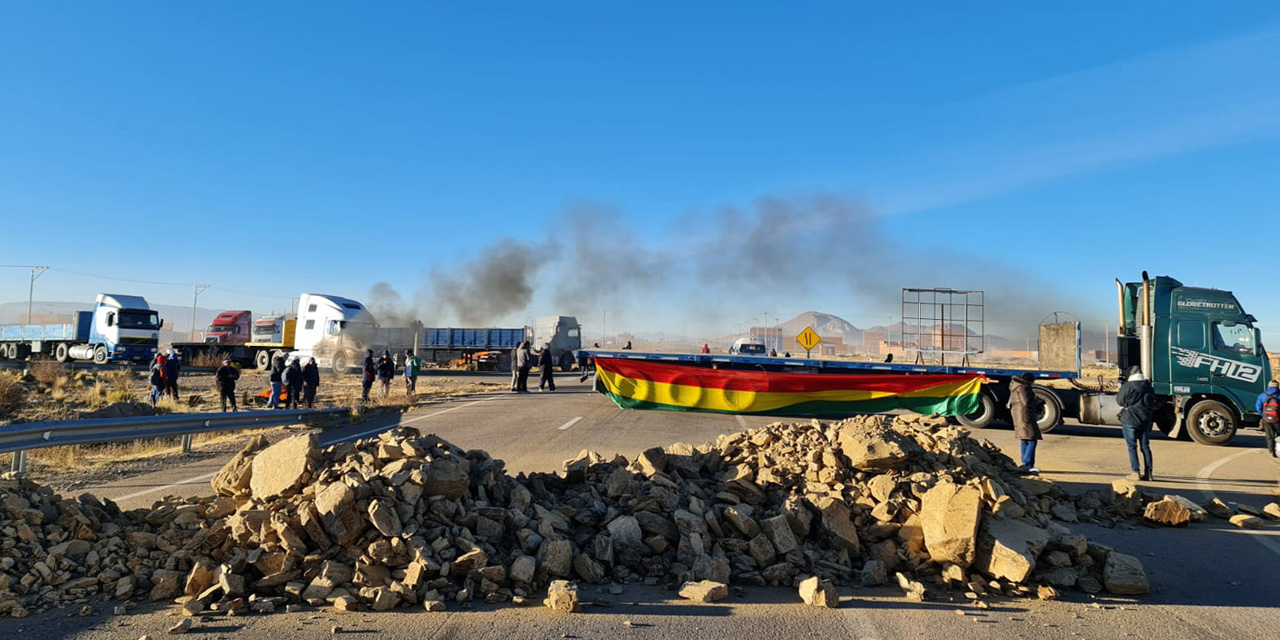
[
  {"x": 248, "y": 342},
  {"x": 1197, "y": 346},
  {"x": 490, "y": 348},
  {"x": 118, "y": 328}
]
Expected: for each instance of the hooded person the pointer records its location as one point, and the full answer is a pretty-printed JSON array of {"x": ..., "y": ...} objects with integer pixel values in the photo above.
[
  {"x": 1268, "y": 408},
  {"x": 1137, "y": 399},
  {"x": 276, "y": 379},
  {"x": 368, "y": 373},
  {"x": 310, "y": 382},
  {"x": 1024, "y": 409},
  {"x": 157, "y": 379},
  {"x": 292, "y": 379},
  {"x": 547, "y": 364},
  {"x": 225, "y": 380}
]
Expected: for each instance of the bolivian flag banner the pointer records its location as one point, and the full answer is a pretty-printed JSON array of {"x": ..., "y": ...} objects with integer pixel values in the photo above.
[{"x": 639, "y": 384}]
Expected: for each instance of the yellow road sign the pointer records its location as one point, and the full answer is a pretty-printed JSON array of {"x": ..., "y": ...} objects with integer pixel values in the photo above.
[{"x": 808, "y": 338}]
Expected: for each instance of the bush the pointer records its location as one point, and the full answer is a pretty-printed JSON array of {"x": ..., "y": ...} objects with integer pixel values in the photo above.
[
  {"x": 12, "y": 394},
  {"x": 120, "y": 395},
  {"x": 47, "y": 371}
]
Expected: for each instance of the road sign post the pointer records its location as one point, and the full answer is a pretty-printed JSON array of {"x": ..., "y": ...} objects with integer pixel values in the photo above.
[{"x": 808, "y": 339}]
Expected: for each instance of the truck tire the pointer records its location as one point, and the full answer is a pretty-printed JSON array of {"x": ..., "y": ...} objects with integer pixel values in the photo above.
[
  {"x": 262, "y": 361},
  {"x": 341, "y": 360},
  {"x": 60, "y": 352},
  {"x": 984, "y": 416},
  {"x": 1211, "y": 422},
  {"x": 4, "y": 352},
  {"x": 100, "y": 355},
  {"x": 1051, "y": 416},
  {"x": 566, "y": 361}
]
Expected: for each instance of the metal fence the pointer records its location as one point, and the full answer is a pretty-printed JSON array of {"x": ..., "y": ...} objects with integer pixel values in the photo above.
[{"x": 19, "y": 438}]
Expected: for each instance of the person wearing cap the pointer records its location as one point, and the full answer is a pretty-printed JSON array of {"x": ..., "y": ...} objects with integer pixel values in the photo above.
[
  {"x": 292, "y": 379},
  {"x": 157, "y": 379},
  {"x": 1024, "y": 407},
  {"x": 1268, "y": 408},
  {"x": 1137, "y": 400},
  {"x": 225, "y": 380},
  {"x": 386, "y": 371},
  {"x": 310, "y": 382},
  {"x": 412, "y": 366},
  {"x": 547, "y": 380}
]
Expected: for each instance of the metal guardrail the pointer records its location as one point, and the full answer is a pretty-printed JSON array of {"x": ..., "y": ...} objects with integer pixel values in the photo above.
[{"x": 19, "y": 438}]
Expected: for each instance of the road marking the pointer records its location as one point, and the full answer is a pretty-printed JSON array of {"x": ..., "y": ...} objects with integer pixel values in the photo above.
[
  {"x": 570, "y": 423},
  {"x": 411, "y": 420},
  {"x": 1202, "y": 483},
  {"x": 199, "y": 478},
  {"x": 742, "y": 421}
]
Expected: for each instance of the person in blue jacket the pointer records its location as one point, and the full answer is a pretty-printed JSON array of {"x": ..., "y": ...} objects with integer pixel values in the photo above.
[
  {"x": 1270, "y": 414},
  {"x": 1138, "y": 400}
]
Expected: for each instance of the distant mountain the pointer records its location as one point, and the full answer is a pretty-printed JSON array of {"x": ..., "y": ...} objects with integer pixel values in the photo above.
[{"x": 827, "y": 326}]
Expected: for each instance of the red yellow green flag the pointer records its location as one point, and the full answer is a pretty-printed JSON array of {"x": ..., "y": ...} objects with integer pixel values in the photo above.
[{"x": 640, "y": 384}]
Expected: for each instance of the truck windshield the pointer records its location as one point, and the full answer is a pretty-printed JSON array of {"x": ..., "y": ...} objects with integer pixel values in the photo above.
[
  {"x": 234, "y": 328},
  {"x": 131, "y": 319},
  {"x": 752, "y": 349}
]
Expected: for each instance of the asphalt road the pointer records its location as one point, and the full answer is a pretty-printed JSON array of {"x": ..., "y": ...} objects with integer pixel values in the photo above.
[{"x": 1210, "y": 580}]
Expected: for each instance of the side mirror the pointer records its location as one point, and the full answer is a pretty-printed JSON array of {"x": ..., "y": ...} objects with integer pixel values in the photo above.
[
  {"x": 111, "y": 319},
  {"x": 1257, "y": 341}
]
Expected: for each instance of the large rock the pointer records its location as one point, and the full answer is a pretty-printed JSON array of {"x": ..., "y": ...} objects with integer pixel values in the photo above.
[
  {"x": 704, "y": 591},
  {"x": 1167, "y": 512},
  {"x": 870, "y": 445},
  {"x": 1198, "y": 513},
  {"x": 384, "y": 518},
  {"x": 281, "y": 469},
  {"x": 562, "y": 596},
  {"x": 779, "y": 533},
  {"x": 949, "y": 515},
  {"x": 837, "y": 524},
  {"x": 1126, "y": 498},
  {"x": 448, "y": 476},
  {"x": 651, "y": 461},
  {"x": 626, "y": 530},
  {"x": 1246, "y": 521},
  {"x": 233, "y": 479},
  {"x": 556, "y": 557},
  {"x": 819, "y": 593},
  {"x": 1123, "y": 575},
  {"x": 1010, "y": 549},
  {"x": 1218, "y": 509}
]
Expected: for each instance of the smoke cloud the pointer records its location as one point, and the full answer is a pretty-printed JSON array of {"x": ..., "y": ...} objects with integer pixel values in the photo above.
[{"x": 497, "y": 283}]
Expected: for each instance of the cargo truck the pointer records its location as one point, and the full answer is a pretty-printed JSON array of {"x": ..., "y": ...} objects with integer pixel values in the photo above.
[
  {"x": 1197, "y": 346},
  {"x": 489, "y": 348},
  {"x": 118, "y": 328},
  {"x": 233, "y": 334}
]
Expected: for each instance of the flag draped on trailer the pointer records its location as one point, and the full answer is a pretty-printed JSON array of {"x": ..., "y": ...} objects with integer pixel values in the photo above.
[{"x": 640, "y": 384}]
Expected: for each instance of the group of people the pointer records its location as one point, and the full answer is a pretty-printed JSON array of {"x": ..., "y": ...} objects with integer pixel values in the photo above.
[
  {"x": 523, "y": 359},
  {"x": 383, "y": 370},
  {"x": 296, "y": 381},
  {"x": 164, "y": 375},
  {"x": 1137, "y": 400}
]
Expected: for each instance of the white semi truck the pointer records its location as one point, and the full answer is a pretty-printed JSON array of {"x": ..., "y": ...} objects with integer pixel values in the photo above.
[{"x": 119, "y": 327}]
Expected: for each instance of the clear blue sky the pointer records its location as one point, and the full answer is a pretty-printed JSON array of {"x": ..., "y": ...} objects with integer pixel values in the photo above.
[{"x": 286, "y": 147}]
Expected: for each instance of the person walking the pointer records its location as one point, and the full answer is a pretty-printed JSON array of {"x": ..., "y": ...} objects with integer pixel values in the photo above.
[
  {"x": 157, "y": 379},
  {"x": 523, "y": 363},
  {"x": 368, "y": 372},
  {"x": 1268, "y": 408},
  {"x": 276, "y": 378},
  {"x": 547, "y": 380},
  {"x": 706, "y": 348},
  {"x": 225, "y": 380},
  {"x": 292, "y": 379},
  {"x": 310, "y": 382},
  {"x": 412, "y": 366},
  {"x": 172, "y": 368},
  {"x": 1137, "y": 400},
  {"x": 1024, "y": 407},
  {"x": 386, "y": 371}
]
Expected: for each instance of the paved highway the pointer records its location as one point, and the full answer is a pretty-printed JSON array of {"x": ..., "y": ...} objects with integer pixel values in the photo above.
[{"x": 1210, "y": 580}]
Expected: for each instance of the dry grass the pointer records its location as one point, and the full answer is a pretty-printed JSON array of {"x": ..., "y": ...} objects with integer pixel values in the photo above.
[
  {"x": 13, "y": 394},
  {"x": 51, "y": 460},
  {"x": 206, "y": 359},
  {"x": 46, "y": 372}
]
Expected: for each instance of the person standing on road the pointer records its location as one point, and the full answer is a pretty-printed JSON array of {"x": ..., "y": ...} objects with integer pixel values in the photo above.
[
  {"x": 292, "y": 379},
  {"x": 523, "y": 363},
  {"x": 515, "y": 368},
  {"x": 225, "y": 380},
  {"x": 1137, "y": 400},
  {"x": 172, "y": 367},
  {"x": 547, "y": 380},
  {"x": 1268, "y": 407},
  {"x": 368, "y": 372},
  {"x": 627, "y": 346},
  {"x": 310, "y": 382},
  {"x": 157, "y": 379},
  {"x": 1024, "y": 407},
  {"x": 276, "y": 377},
  {"x": 386, "y": 371},
  {"x": 412, "y": 366}
]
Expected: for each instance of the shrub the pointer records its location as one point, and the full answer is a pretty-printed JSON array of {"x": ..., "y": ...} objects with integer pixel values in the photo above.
[
  {"x": 12, "y": 394},
  {"x": 47, "y": 371}
]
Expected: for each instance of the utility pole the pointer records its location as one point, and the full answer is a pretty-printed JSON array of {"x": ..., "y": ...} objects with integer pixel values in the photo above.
[
  {"x": 766, "y": 329},
  {"x": 603, "y": 316},
  {"x": 194, "y": 301},
  {"x": 1106, "y": 339},
  {"x": 31, "y": 292}
]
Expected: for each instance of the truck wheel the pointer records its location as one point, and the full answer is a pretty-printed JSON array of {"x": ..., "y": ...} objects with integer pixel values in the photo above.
[
  {"x": 100, "y": 355},
  {"x": 262, "y": 361},
  {"x": 60, "y": 352},
  {"x": 983, "y": 417},
  {"x": 1211, "y": 422},
  {"x": 1051, "y": 415},
  {"x": 566, "y": 361},
  {"x": 340, "y": 362}
]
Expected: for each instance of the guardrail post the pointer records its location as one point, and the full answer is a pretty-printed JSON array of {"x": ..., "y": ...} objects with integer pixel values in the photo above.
[
  {"x": 186, "y": 443},
  {"x": 19, "y": 465}
]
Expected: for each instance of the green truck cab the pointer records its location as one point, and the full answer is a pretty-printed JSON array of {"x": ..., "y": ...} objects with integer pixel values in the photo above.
[{"x": 1201, "y": 351}]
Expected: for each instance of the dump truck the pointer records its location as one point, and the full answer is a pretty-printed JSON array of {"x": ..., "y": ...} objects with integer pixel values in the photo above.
[
  {"x": 1199, "y": 348},
  {"x": 119, "y": 328}
]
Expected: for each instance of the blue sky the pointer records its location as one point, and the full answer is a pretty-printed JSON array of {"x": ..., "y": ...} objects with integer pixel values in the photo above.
[{"x": 622, "y": 157}]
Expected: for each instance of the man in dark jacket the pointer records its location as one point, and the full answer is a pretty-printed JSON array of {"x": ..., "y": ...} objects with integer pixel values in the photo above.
[
  {"x": 276, "y": 377},
  {"x": 157, "y": 379},
  {"x": 523, "y": 363},
  {"x": 1024, "y": 407},
  {"x": 1137, "y": 400},
  {"x": 515, "y": 368},
  {"x": 547, "y": 363},
  {"x": 368, "y": 373},
  {"x": 310, "y": 382},
  {"x": 1267, "y": 410},
  {"x": 225, "y": 379},
  {"x": 386, "y": 371},
  {"x": 292, "y": 379},
  {"x": 172, "y": 367}
]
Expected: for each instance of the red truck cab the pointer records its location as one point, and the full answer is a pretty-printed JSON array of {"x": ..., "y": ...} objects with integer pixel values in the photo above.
[{"x": 230, "y": 327}]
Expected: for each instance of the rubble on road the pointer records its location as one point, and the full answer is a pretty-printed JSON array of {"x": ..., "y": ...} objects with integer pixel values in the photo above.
[{"x": 407, "y": 519}]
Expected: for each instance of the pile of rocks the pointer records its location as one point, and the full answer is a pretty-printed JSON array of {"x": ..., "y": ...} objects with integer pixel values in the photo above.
[{"x": 410, "y": 519}]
